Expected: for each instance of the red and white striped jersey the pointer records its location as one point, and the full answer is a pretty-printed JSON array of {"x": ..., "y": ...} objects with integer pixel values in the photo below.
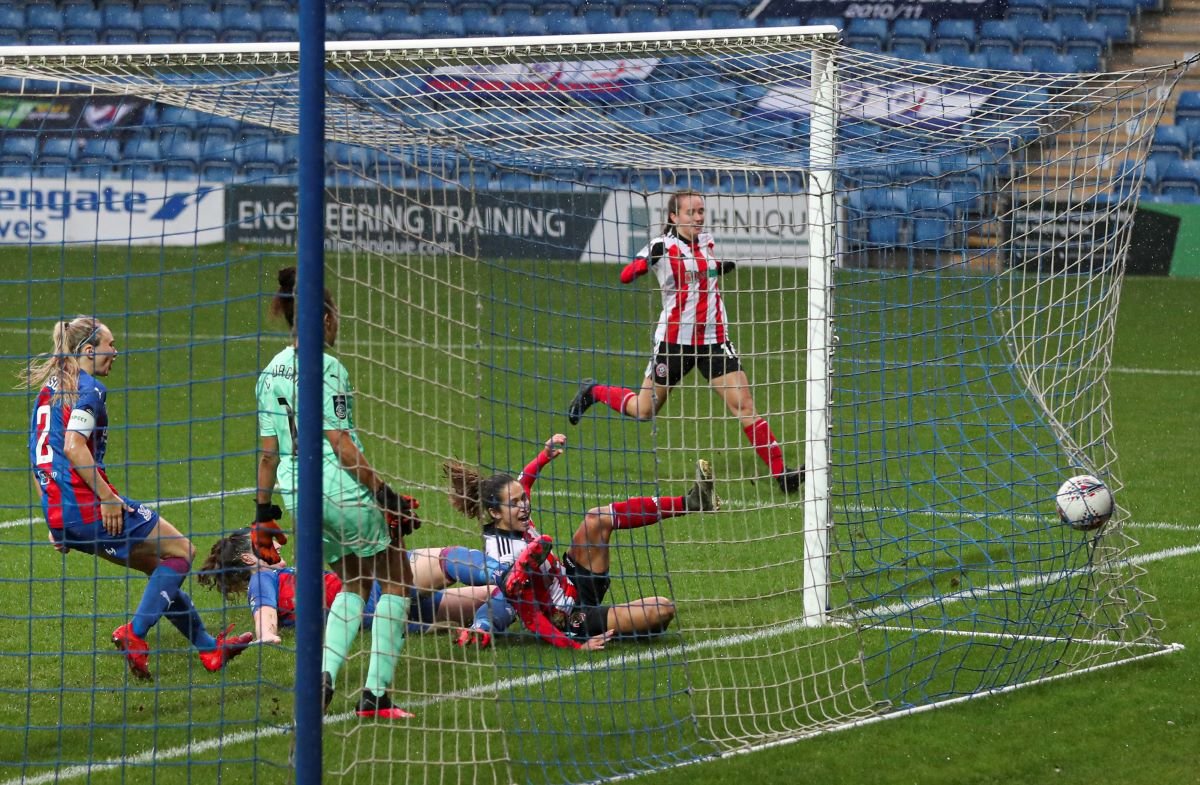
[{"x": 692, "y": 310}]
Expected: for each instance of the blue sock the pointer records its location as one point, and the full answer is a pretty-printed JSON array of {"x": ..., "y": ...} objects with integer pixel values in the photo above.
[
  {"x": 160, "y": 591},
  {"x": 372, "y": 601},
  {"x": 495, "y": 614},
  {"x": 469, "y": 566},
  {"x": 183, "y": 614},
  {"x": 422, "y": 609}
]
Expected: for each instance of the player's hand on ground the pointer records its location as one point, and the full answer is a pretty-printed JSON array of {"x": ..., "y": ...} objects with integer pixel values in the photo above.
[
  {"x": 597, "y": 642},
  {"x": 265, "y": 532},
  {"x": 112, "y": 514},
  {"x": 556, "y": 445}
]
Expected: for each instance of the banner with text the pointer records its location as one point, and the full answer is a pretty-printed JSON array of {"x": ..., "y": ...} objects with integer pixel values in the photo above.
[
  {"x": 70, "y": 113},
  {"x": 885, "y": 9},
  {"x": 110, "y": 212}
]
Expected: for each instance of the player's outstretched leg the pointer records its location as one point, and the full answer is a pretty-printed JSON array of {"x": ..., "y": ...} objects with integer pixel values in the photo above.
[
  {"x": 525, "y": 565},
  {"x": 136, "y": 651},
  {"x": 702, "y": 497},
  {"x": 227, "y": 648}
]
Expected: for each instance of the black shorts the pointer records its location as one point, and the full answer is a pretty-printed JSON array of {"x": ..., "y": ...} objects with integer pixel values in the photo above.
[
  {"x": 673, "y": 361},
  {"x": 592, "y": 587},
  {"x": 587, "y": 621}
]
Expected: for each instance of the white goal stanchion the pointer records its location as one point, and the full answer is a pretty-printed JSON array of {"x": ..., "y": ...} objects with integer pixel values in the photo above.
[{"x": 918, "y": 269}]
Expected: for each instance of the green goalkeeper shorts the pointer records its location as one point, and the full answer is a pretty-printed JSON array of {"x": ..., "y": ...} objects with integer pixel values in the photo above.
[{"x": 352, "y": 527}]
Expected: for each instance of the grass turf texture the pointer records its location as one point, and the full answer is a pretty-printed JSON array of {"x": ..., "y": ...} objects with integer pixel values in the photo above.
[{"x": 494, "y": 383}]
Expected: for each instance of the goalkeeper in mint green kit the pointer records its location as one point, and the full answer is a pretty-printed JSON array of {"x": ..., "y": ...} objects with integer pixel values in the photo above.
[{"x": 363, "y": 521}]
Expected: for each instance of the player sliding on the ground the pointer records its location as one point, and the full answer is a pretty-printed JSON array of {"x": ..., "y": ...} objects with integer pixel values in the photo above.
[
  {"x": 67, "y": 441},
  {"x": 562, "y": 602},
  {"x": 692, "y": 332},
  {"x": 233, "y": 567},
  {"x": 359, "y": 512}
]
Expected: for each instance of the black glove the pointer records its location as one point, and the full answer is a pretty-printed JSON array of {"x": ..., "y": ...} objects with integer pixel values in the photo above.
[
  {"x": 727, "y": 267},
  {"x": 400, "y": 510}
]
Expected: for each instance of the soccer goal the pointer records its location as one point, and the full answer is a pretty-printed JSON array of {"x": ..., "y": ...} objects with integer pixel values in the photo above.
[{"x": 926, "y": 268}]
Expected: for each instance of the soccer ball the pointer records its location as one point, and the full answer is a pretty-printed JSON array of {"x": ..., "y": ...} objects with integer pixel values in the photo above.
[{"x": 1084, "y": 503}]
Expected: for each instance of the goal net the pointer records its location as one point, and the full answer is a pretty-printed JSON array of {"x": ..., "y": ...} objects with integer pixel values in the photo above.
[{"x": 926, "y": 267}]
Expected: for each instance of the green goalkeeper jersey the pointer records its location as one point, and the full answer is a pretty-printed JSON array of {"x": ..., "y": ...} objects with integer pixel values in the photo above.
[{"x": 276, "y": 392}]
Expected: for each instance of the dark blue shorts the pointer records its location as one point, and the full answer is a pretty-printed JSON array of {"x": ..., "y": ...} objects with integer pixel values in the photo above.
[{"x": 92, "y": 538}]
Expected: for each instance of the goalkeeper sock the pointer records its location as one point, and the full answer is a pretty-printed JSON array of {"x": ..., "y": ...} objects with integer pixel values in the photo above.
[
  {"x": 468, "y": 566},
  {"x": 645, "y": 511},
  {"x": 759, "y": 434},
  {"x": 160, "y": 591},
  {"x": 613, "y": 397},
  {"x": 345, "y": 617},
  {"x": 387, "y": 639},
  {"x": 184, "y": 617}
]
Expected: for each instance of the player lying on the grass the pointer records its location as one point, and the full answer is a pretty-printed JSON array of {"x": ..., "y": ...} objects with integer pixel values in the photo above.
[
  {"x": 233, "y": 567},
  {"x": 562, "y": 602},
  {"x": 692, "y": 331},
  {"x": 359, "y": 510},
  {"x": 68, "y": 438}
]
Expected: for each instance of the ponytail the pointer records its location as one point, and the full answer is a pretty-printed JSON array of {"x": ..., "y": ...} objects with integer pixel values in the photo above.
[
  {"x": 472, "y": 495},
  {"x": 59, "y": 368}
]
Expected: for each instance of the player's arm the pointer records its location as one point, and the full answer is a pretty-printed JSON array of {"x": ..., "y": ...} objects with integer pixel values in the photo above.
[
  {"x": 399, "y": 508},
  {"x": 554, "y": 447},
  {"x": 75, "y": 447},
  {"x": 642, "y": 263},
  {"x": 265, "y": 531}
]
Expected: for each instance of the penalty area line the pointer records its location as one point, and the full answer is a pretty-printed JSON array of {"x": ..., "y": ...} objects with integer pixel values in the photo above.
[{"x": 633, "y": 657}]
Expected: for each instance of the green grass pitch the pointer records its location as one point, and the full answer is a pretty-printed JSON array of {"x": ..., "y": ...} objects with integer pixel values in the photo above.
[{"x": 193, "y": 333}]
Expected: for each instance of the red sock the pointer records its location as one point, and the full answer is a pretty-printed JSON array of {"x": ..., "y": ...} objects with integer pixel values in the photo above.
[
  {"x": 645, "y": 511},
  {"x": 765, "y": 445},
  {"x": 614, "y": 397}
]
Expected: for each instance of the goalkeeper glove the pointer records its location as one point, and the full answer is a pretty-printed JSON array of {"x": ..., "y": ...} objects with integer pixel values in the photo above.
[
  {"x": 399, "y": 509},
  {"x": 634, "y": 269},
  {"x": 265, "y": 532}
]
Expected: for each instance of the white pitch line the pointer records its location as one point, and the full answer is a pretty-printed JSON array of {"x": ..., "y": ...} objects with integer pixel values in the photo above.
[
  {"x": 635, "y": 657},
  {"x": 163, "y": 503}
]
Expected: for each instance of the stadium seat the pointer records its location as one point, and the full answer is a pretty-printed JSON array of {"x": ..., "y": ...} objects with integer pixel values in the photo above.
[
  {"x": 1028, "y": 9},
  {"x": 638, "y": 14},
  {"x": 360, "y": 24},
  {"x": 81, "y": 19},
  {"x": 686, "y": 16},
  {"x": 1119, "y": 17},
  {"x": 1087, "y": 38},
  {"x": 43, "y": 19},
  {"x": 198, "y": 24},
  {"x": 999, "y": 35},
  {"x": 59, "y": 150},
  {"x": 1070, "y": 12},
  {"x": 723, "y": 15},
  {"x": 1046, "y": 37},
  {"x": 1170, "y": 143},
  {"x": 119, "y": 18},
  {"x": 160, "y": 23},
  {"x": 12, "y": 19},
  {"x": 240, "y": 25},
  {"x": 1180, "y": 181},
  {"x": 870, "y": 35},
  {"x": 1187, "y": 108},
  {"x": 403, "y": 25},
  {"x": 1051, "y": 63},
  {"x": 18, "y": 149},
  {"x": 563, "y": 22},
  {"x": 955, "y": 34},
  {"x": 279, "y": 23},
  {"x": 912, "y": 32},
  {"x": 934, "y": 217},
  {"x": 482, "y": 25},
  {"x": 1009, "y": 61},
  {"x": 601, "y": 20},
  {"x": 142, "y": 149}
]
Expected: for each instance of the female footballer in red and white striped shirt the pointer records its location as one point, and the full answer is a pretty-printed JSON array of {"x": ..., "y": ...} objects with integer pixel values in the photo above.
[{"x": 692, "y": 331}]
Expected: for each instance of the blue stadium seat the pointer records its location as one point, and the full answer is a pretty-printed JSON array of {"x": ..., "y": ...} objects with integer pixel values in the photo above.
[
  {"x": 116, "y": 17},
  {"x": 12, "y": 19},
  {"x": 43, "y": 19},
  {"x": 870, "y": 35},
  {"x": 1087, "y": 38},
  {"x": 962, "y": 59},
  {"x": 1009, "y": 61},
  {"x": 1052, "y": 63},
  {"x": 19, "y": 149},
  {"x": 999, "y": 35},
  {"x": 1071, "y": 12},
  {"x": 142, "y": 149},
  {"x": 1028, "y": 9},
  {"x": 80, "y": 19},
  {"x": 958, "y": 34},
  {"x": 1187, "y": 108},
  {"x": 360, "y": 24},
  {"x": 481, "y": 25},
  {"x": 240, "y": 25},
  {"x": 935, "y": 218},
  {"x": 279, "y": 23},
  {"x": 686, "y": 16},
  {"x": 1170, "y": 143},
  {"x": 199, "y": 24},
  {"x": 912, "y": 32},
  {"x": 58, "y": 150},
  {"x": 601, "y": 20},
  {"x": 1046, "y": 37},
  {"x": 563, "y": 22},
  {"x": 723, "y": 15},
  {"x": 1119, "y": 17},
  {"x": 403, "y": 25},
  {"x": 160, "y": 23},
  {"x": 638, "y": 14},
  {"x": 1180, "y": 181}
]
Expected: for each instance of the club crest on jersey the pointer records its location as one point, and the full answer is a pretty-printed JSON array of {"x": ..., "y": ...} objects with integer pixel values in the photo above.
[
  {"x": 340, "y": 407},
  {"x": 145, "y": 512},
  {"x": 660, "y": 371}
]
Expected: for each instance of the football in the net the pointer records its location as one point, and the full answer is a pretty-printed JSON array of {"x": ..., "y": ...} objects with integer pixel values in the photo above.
[{"x": 1084, "y": 502}]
